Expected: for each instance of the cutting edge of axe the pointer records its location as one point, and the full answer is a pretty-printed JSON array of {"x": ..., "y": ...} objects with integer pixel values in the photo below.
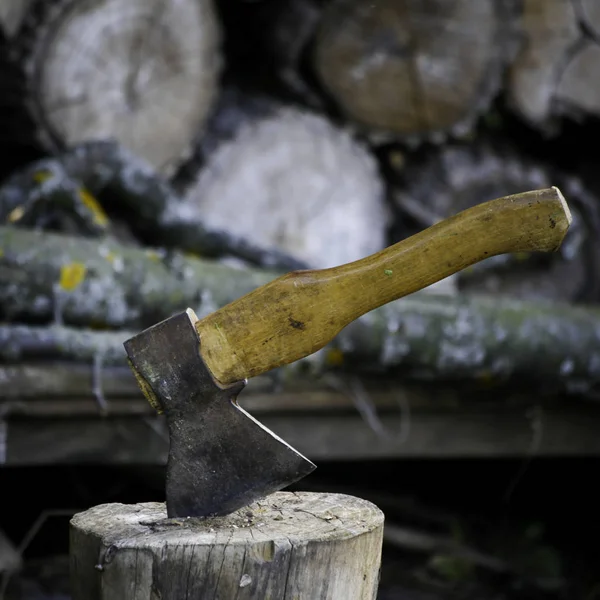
[{"x": 220, "y": 458}]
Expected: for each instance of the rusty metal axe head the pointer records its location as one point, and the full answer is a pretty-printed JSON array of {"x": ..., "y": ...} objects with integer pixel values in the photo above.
[{"x": 221, "y": 458}]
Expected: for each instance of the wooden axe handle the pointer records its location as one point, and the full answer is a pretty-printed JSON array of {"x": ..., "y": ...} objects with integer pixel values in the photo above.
[{"x": 300, "y": 312}]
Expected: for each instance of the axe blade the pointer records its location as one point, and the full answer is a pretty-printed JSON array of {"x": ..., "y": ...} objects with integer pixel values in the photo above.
[{"x": 220, "y": 458}]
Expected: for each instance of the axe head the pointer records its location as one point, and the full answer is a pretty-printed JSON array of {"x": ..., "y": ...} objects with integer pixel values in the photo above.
[{"x": 220, "y": 458}]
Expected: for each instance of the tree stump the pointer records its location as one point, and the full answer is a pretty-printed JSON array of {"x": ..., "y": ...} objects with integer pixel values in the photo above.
[
  {"x": 417, "y": 70},
  {"x": 143, "y": 73},
  {"x": 288, "y": 178},
  {"x": 286, "y": 546}
]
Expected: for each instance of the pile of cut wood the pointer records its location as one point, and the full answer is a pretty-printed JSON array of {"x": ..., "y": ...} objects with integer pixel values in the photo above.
[
  {"x": 161, "y": 155},
  {"x": 175, "y": 154}
]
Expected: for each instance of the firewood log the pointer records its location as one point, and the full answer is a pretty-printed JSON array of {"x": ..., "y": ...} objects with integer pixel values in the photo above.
[
  {"x": 556, "y": 69},
  {"x": 488, "y": 341},
  {"x": 286, "y": 177},
  {"x": 42, "y": 274},
  {"x": 438, "y": 183},
  {"x": 145, "y": 73},
  {"x": 417, "y": 70},
  {"x": 82, "y": 189}
]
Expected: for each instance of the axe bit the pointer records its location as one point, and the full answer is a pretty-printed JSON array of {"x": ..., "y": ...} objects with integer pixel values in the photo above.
[{"x": 221, "y": 458}]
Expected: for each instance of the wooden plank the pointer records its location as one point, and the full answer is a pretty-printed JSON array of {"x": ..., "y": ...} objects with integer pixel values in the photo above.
[
  {"x": 493, "y": 434},
  {"x": 64, "y": 379},
  {"x": 65, "y": 389},
  {"x": 319, "y": 400},
  {"x": 87, "y": 441},
  {"x": 328, "y": 436}
]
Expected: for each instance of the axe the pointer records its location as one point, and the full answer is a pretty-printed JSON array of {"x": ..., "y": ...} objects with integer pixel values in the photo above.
[{"x": 192, "y": 370}]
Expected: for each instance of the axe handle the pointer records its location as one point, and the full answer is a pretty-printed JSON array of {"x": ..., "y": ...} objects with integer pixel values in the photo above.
[{"x": 300, "y": 312}]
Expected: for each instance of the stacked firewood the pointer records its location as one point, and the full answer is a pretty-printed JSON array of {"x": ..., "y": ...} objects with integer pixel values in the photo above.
[
  {"x": 162, "y": 154},
  {"x": 182, "y": 153}
]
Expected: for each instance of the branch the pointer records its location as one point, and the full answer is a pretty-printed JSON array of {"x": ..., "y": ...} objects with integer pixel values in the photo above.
[
  {"x": 129, "y": 185},
  {"x": 109, "y": 284},
  {"x": 421, "y": 337}
]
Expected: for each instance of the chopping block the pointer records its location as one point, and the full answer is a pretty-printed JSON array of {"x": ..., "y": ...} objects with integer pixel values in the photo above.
[{"x": 287, "y": 546}]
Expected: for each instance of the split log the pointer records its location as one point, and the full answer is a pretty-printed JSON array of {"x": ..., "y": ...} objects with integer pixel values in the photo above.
[
  {"x": 286, "y": 177},
  {"x": 422, "y": 337},
  {"x": 288, "y": 545},
  {"x": 414, "y": 70},
  {"x": 70, "y": 193},
  {"x": 436, "y": 184},
  {"x": 145, "y": 73},
  {"x": 555, "y": 71}
]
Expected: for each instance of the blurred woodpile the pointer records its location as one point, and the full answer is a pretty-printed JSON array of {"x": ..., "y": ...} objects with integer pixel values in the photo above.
[
  {"x": 174, "y": 154},
  {"x": 171, "y": 153},
  {"x": 323, "y": 129}
]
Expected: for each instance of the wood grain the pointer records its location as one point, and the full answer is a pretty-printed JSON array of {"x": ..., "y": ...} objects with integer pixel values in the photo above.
[
  {"x": 413, "y": 69},
  {"x": 288, "y": 545},
  {"x": 298, "y": 313},
  {"x": 144, "y": 73}
]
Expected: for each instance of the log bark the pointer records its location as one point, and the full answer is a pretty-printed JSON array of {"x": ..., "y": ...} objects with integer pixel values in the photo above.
[
  {"x": 555, "y": 69},
  {"x": 80, "y": 281},
  {"x": 436, "y": 184},
  {"x": 144, "y": 73},
  {"x": 414, "y": 70},
  {"x": 485, "y": 340},
  {"x": 289, "y": 545},
  {"x": 286, "y": 177},
  {"x": 78, "y": 190}
]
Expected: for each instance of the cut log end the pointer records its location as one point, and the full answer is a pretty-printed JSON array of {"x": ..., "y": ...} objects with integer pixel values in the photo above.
[
  {"x": 293, "y": 180},
  {"x": 288, "y": 545},
  {"x": 419, "y": 71},
  {"x": 144, "y": 73}
]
